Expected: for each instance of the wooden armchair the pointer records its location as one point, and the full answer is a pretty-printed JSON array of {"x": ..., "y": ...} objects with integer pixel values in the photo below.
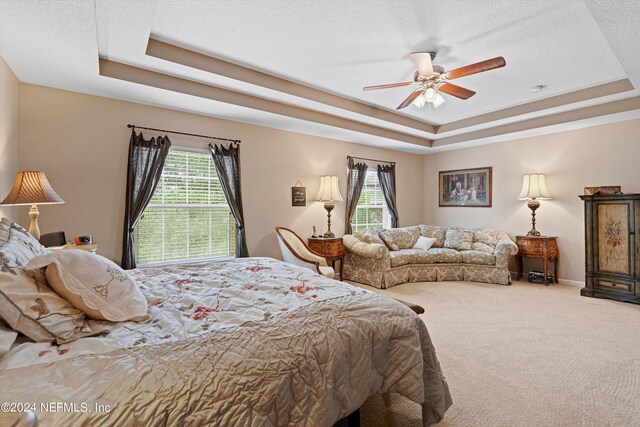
[{"x": 295, "y": 251}]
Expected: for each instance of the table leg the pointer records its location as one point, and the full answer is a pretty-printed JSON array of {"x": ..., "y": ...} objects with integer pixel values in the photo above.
[
  {"x": 341, "y": 269},
  {"x": 518, "y": 266},
  {"x": 545, "y": 268},
  {"x": 555, "y": 269}
]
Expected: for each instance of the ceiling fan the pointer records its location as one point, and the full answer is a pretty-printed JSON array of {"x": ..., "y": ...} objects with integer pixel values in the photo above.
[{"x": 432, "y": 79}]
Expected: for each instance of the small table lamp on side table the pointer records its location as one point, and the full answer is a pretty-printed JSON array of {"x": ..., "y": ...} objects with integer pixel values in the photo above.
[
  {"x": 328, "y": 193},
  {"x": 32, "y": 188},
  {"x": 330, "y": 248},
  {"x": 534, "y": 188}
]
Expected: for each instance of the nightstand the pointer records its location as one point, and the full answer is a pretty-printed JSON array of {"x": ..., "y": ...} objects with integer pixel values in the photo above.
[
  {"x": 93, "y": 248},
  {"x": 332, "y": 249},
  {"x": 544, "y": 247}
]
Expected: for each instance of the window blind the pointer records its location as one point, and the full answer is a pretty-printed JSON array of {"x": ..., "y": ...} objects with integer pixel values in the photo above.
[
  {"x": 188, "y": 217},
  {"x": 371, "y": 210}
]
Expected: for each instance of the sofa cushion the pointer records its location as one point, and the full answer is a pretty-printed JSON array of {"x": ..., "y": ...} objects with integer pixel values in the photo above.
[
  {"x": 400, "y": 238},
  {"x": 413, "y": 256},
  {"x": 483, "y": 247},
  {"x": 434, "y": 231},
  {"x": 371, "y": 237},
  {"x": 445, "y": 255},
  {"x": 458, "y": 239},
  {"x": 478, "y": 257},
  {"x": 403, "y": 256}
]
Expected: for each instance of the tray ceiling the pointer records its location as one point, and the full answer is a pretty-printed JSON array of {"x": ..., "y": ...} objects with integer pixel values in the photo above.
[{"x": 330, "y": 50}]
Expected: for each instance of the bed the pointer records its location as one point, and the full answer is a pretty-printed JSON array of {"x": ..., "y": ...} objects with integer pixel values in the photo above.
[{"x": 251, "y": 341}]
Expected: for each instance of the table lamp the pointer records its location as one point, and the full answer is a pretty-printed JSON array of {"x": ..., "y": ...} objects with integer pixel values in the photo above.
[
  {"x": 32, "y": 188},
  {"x": 329, "y": 192},
  {"x": 534, "y": 188}
]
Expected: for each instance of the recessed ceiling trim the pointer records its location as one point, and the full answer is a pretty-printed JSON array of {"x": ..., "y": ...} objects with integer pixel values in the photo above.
[
  {"x": 189, "y": 58},
  {"x": 146, "y": 77},
  {"x": 593, "y": 92},
  {"x": 609, "y": 108}
]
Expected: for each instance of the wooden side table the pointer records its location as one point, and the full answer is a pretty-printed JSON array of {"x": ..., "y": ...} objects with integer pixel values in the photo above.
[
  {"x": 544, "y": 247},
  {"x": 332, "y": 249}
]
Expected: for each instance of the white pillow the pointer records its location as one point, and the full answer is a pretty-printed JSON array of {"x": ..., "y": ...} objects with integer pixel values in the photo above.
[
  {"x": 93, "y": 284},
  {"x": 424, "y": 243}
]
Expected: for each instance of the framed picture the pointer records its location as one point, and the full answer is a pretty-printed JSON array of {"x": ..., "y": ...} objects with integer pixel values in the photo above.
[
  {"x": 465, "y": 187},
  {"x": 298, "y": 196}
]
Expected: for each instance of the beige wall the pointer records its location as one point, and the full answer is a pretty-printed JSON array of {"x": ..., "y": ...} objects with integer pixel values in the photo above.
[
  {"x": 601, "y": 155},
  {"x": 9, "y": 133},
  {"x": 81, "y": 143}
]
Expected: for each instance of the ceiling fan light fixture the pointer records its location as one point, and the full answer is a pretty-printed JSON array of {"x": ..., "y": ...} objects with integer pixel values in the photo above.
[
  {"x": 430, "y": 94},
  {"x": 420, "y": 101},
  {"x": 438, "y": 101}
]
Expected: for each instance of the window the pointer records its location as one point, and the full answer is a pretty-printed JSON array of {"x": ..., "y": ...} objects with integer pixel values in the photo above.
[
  {"x": 188, "y": 216},
  {"x": 371, "y": 209}
]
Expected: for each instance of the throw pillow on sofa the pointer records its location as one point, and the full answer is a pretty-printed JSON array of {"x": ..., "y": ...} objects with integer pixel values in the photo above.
[
  {"x": 459, "y": 239},
  {"x": 371, "y": 237},
  {"x": 400, "y": 238},
  {"x": 484, "y": 241},
  {"x": 435, "y": 232},
  {"x": 424, "y": 243}
]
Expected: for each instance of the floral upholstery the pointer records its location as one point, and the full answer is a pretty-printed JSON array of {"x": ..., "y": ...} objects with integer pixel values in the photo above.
[
  {"x": 435, "y": 232},
  {"x": 374, "y": 264},
  {"x": 458, "y": 239},
  {"x": 370, "y": 235},
  {"x": 478, "y": 257},
  {"x": 400, "y": 238}
]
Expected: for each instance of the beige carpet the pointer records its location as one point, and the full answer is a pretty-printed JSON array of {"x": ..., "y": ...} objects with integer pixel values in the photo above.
[{"x": 525, "y": 355}]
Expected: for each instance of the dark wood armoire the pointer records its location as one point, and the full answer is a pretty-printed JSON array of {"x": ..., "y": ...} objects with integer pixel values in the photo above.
[{"x": 612, "y": 247}]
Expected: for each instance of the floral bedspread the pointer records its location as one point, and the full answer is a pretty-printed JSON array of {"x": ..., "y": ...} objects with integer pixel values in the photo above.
[{"x": 251, "y": 341}]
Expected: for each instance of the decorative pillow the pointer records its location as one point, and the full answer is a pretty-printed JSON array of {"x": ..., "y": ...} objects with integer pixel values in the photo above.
[
  {"x": 483, "y": 247},
  {"x": 484, "y": 237},
  {"x": 400, "y": 238},
  {"x": 17, "y": 246},
  {"x": 31, "y": 307},
  {"x": 373, "y": 231},
  {"x": 424, "y": 243},
  {"x": 93, "y": 284},
  {"x": 371, "y": 237},
  {"x": 458, "y": 239},
  {"x": 7, "y": 338},
  {"x": 436, "y": 232}
]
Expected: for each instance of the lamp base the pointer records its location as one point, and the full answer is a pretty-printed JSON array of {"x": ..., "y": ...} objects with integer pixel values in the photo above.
[
  {"x": 34, "y": 230},
  {"x": 533, "y": 205},
  {"x": 329, "y": 207}
]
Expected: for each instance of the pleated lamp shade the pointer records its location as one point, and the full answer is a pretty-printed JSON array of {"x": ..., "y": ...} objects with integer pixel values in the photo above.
[
  {"x": 31, "y": 187},
  {"x": 329, "y": 191},
  {"x": 534, "y": 187}
]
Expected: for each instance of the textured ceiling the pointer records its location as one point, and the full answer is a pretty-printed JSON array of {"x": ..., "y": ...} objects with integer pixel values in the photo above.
[{"x": 336, "y": 46}]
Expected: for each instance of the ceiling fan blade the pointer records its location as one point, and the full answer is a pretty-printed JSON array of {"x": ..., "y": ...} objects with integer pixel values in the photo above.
[
  {"x": 410, "y": 99},
  {"x": 387, "y": 86},
  {"x": 478, "y": 67},
  {"x": 423, "y": 62},
  {"x": 457, "y": 91}
]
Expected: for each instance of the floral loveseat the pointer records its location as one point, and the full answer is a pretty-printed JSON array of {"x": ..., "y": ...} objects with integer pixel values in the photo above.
[{"x": 385, "y": 258}]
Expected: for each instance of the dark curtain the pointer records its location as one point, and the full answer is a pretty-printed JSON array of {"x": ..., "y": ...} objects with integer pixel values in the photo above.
[
  {"x": 227, "y": 161},
  {"x": 387, "y": 178},
  {"x": 146, "y": 161},
  {"x": 356, "y": 174}
]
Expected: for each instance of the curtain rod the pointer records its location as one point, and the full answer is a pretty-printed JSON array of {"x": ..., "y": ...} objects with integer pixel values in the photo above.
[
  {"x": 373, "y": 160},
  {"x": 184, "y": 133}
]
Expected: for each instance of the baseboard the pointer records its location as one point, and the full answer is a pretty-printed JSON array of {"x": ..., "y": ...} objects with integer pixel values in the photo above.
[
  {"x": 560, "y": 281},
  {"x": 571, "y": 282}
]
